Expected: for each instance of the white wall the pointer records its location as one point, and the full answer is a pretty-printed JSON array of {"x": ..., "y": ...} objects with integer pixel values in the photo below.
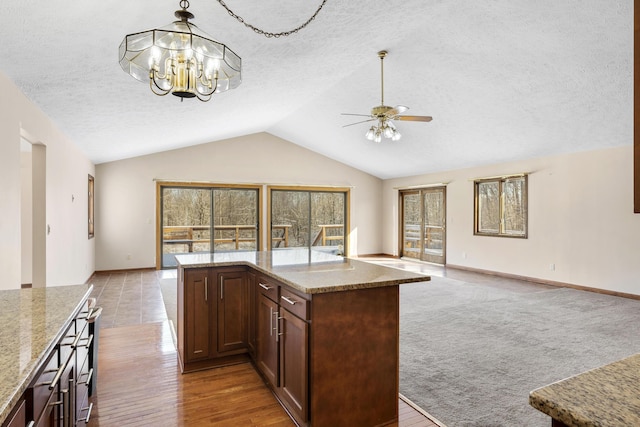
[
  {"x": 69, "y": 254},
  {"x": 126, "y": 191},
  {"x": 26, "y": 213},
  {"x": 580, "y": 219}
]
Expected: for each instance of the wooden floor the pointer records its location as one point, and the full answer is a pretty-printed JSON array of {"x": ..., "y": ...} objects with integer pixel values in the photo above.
[{"x": 139, "y": 382}]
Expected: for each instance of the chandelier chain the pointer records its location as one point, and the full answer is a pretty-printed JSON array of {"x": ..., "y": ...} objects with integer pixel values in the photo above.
[{"x": 266, "y": 33}]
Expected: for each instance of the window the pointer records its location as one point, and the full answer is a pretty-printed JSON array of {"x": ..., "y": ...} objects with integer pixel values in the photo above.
[
  {"x": 501, "y": 206},
  {"x": 205, "y": 219},
  {"x": 308, "y": 218}
]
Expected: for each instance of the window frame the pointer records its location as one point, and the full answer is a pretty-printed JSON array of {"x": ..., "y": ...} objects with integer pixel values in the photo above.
[{"x": 501, "y": 181}]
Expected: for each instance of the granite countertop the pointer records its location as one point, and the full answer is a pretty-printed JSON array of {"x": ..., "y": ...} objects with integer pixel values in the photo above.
[
  {"x": 309, "y": 271},
  {"x": 32, "y": 323},
  {"x": 605, "y": 397}
]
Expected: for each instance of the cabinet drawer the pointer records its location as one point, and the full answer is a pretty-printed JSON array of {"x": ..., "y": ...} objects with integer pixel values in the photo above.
[
  {"x": 294, "y": 303},
  {"x": 268, "y": 288},
  {"x": 83, "y": 344},
  {"x": 44, "y": 387},
  {"x": 84, "y": 376},
  {"x": 81, "y": 318}
]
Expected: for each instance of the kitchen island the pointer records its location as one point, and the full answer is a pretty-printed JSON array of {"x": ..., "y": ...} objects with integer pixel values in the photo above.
[
  {"x": 608, "y": 396},
  {"x": 34, "y": 321},
  {"x": 322, "y": 330}
]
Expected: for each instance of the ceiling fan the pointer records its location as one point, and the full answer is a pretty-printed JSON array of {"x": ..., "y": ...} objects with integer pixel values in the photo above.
[{"x": 384, "y": 115}]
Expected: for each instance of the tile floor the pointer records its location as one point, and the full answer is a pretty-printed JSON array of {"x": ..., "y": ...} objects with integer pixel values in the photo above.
[{"x": 130, "y": 298}]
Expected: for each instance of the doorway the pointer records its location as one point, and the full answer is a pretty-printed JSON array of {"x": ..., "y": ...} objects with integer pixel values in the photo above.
[
  {"x": 33, "y": 212},
  {"x": 423, "y": 227}
]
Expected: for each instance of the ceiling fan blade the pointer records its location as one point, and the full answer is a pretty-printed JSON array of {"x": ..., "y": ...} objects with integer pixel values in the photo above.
[
  {"x": 414, "y": 118},
  {"x": 398, "y": 109},
  {"x": 357, "y": 123},
  {"x": 353, "y": 114}
]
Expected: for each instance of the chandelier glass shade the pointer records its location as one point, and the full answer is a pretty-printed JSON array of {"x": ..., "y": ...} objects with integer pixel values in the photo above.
[
  {"x": 384, "y": 128},
  {"x": 181, "y": 59}
]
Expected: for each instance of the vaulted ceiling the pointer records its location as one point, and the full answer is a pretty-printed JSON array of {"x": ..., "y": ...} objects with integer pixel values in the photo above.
[{"x": 503, "y": 79}]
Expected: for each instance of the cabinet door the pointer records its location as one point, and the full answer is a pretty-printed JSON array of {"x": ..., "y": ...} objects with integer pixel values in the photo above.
[
  {"x": 197, "y": 314},
  {"x": 251, "y": 315},
  {"x": 267, "y": 339},
  {"x": 19, "y": 418},
  {"x": 294, "y": 388},
  {"x": 232, "y": 311}
]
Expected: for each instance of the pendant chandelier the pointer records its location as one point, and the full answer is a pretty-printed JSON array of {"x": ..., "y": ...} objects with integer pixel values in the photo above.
[{"x": 181, "y": 59}]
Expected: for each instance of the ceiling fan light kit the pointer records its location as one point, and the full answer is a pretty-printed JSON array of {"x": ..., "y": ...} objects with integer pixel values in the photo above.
[
  {"x": 384, "y": 115},
  {"x": 388, "y": 130}
]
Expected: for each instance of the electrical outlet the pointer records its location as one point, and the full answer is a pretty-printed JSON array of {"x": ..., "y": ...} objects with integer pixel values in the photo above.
[
  {"x": 552, "y": 267},
  {"x": 128, "y": 257},
  {"x": 464, "y": 255}
]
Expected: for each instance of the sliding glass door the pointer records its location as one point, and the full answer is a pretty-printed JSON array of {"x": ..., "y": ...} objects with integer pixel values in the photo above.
[
  {"x": 305, "y": 218},
  {"x": 235, "y": 219},
  {"x": 206, "y": 219},
  {"x": 423, "y": 224}
]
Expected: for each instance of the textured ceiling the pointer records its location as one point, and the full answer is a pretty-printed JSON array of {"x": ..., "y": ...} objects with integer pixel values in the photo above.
[{"x": 503, "y": 79}]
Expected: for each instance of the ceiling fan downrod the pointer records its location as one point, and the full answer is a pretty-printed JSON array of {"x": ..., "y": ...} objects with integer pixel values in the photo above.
[{"x": 382, "y": 54}]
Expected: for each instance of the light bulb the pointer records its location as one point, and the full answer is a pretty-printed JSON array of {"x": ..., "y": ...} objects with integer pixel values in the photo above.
[
  {"x": 388, "y": 132},
  {"x": 154, "y": 56},
  {"x": 396, "y": 136},
  {"x": 199, "y": 55},
  {"x": 370, "y": 134},
  {"x": 378, "y": 137}
]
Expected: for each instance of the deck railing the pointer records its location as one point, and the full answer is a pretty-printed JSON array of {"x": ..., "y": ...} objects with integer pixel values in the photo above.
[
  {"x": 187, "y": 235},
  {"x": 184, "y": 235},
  {"x": 432, "y": 238},
  {"x": 324, "y": 237}
]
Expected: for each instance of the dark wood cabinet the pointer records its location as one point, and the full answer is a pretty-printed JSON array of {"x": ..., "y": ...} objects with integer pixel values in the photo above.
[
  {"x": 212, "y": 317},
  {"x": 57, "y": 396},
  {"x": 83, "y": 372},
  {"x": 322, "y": 354},
  {"x": 294, "y": 372},
  {"x": 19, "y": 417},
  {"x": 252, "y": 313},
  {"x": 233, "y": 307},
  {"x": 283, "y": 341},
  {"x": 267, "y": 352},
  {"x": 197, "y": 312}
]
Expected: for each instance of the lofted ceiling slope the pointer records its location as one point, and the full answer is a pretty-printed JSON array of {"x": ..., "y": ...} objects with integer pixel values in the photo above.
[{"x": 504, "y": 80}]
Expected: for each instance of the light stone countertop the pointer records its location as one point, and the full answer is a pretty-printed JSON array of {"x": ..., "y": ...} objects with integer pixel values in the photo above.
[
  {"x": 32, "y": 321},
  {"x": 608, "y": 396},
  {"x": 309, "y": 271}
]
